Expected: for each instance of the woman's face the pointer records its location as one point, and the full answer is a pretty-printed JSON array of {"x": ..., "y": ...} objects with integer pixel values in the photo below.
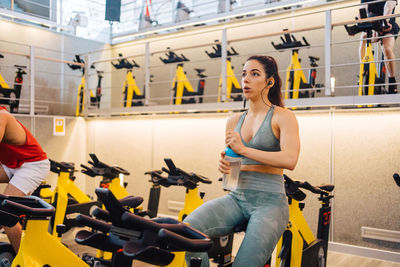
[{"x": 254, "y": 80}]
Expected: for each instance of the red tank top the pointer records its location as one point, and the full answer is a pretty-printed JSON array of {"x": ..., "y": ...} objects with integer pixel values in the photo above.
[{"x": 14, "y": 156}]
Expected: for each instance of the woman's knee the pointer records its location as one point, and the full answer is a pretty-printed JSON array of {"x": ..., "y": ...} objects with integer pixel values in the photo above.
[{"x": 215, "y": 217}]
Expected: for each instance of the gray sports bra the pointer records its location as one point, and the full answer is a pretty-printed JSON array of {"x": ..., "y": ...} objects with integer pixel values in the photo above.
[{"x": 264, "y": 139}]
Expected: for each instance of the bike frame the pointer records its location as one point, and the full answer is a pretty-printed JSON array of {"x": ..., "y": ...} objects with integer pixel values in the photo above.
[
  {"x": 65, "y": 187},
  {"x": 130, "y": 90},
  {"x": 294, "y": 77},
  {"x": 232, "y": 84},
  {"x": 298, "y": 238},
  {"x": 298, "y": 230},
  {"x": 80, "y": 100},
  {"x": 38, "y": 247},
  {"x": 3, "y": 83},
  {"x": 368, "y": 71},
  {"x": 179, "y": 84}
]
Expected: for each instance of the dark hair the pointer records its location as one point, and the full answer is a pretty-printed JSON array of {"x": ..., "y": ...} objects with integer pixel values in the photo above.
[{"x": 271, "y": 70}]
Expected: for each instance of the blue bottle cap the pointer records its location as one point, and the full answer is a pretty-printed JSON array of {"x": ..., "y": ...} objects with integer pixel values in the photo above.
[{"x": 230, "y": 153}]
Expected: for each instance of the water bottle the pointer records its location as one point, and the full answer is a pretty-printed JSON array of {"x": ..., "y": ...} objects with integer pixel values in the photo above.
[{"x": 230, "y": 181}]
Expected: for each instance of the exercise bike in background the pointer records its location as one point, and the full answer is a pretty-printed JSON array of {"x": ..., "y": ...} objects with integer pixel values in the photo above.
[
  {"x": 297, "y": 86},
  {"x": 130, "y": 90},
  {"x": 372, "y": 76},
  {"x": 11, "y": 96},
  {"x": 182, "y": 90},
  {"x": 298, "y": 247},
  {"x": 233, "y": 89}
]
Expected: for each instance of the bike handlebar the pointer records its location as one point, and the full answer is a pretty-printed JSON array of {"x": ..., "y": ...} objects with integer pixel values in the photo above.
[
  {"x": 396, "y": 178},
  {"x": 293, "y": 186},
  {"x": 30, "y": 205},
  {"x": 93, "y": 223},
  {"x": 184, "y": 243},
  {"x": 58, "y": 167},
  {"x": 177, "y": 176},
  {"x": 366, "y": 26},
  {"x": 290, "y": 42},
  {"x": 102, "y": 169}
]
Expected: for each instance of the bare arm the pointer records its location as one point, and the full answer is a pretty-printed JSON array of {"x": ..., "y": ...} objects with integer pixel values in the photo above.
[
  {"x": 224, "y": 165},
  {"x": 389, "y": 7},
  {"x": 289, "y": 140},
  {"x": 11, "y": 132},
  {"x": 3, "y": 124}
]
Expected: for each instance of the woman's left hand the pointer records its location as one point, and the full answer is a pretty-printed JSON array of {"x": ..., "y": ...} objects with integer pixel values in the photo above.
[{"x": 234, "y": 141}]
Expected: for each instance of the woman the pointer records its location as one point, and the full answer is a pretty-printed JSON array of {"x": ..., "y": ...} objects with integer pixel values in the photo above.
[{"x": 267, "y": 137}]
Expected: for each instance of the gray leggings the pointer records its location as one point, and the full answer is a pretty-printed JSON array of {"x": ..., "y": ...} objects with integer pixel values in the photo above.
[{"x": 267, "y": 215}]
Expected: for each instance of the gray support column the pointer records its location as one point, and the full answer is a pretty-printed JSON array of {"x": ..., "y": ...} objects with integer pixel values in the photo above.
[
  {"x": 51, "y": 13},
  {"x": 60, "y": 19},
  {"x": 86, "y": 89},
  {"x": 173, "y": 10},
  {"x": 328, "y": 27},
  {"x": 147, "y": 73},
  {"x": 227, "y": 5},
  {"x": 224, "y": 55},
  {"x": 332, "y": 163},
  {"x": 32, "y": 81},
  {"x": 62, "y": 75}
]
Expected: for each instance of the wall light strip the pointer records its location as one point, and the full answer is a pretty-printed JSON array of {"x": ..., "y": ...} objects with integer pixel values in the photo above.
[{"x": 380, "y": 234}]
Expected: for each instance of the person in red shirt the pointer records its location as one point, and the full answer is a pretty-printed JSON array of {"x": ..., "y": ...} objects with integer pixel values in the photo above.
[{"x": 23, "y": 164}]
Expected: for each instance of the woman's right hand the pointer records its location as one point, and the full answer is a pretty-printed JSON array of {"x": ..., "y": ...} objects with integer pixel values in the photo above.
[{"x": 224, "y": 166}]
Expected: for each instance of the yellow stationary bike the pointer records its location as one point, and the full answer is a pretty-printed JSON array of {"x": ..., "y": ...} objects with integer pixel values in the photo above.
[
  {"x": 371, "y": 76},
  {"x": 130, "y": 90},
  {"x": 298, "y": 247},
  {"x": 233, "y": 89},
  {"x": 10, "y": 96},
  {"x": 67, "y": 198},
  {"x": 297, "y": 85},
  {"x": 111, "y": 175},
  {"x": 38, "y": 247},
  {"x": 183, "y": 91},
  {"x": 80, "y": 98},
  {"x": 178, "y": 177}
]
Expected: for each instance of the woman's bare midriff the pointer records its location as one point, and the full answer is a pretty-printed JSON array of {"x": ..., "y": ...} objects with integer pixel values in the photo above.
[{"x": 262, "y": 169}]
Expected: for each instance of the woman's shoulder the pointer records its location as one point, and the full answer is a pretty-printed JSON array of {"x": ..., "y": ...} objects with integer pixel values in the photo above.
[
  {"x": 233, "y": 120},
  {"x": 284, "y": 114}
]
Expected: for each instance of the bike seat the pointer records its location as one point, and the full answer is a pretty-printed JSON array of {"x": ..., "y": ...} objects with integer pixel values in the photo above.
[
  {"x": 327, "y": 187},
  {"x": 58, "y": 167},
  {"x": 96, "y": 240}
]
